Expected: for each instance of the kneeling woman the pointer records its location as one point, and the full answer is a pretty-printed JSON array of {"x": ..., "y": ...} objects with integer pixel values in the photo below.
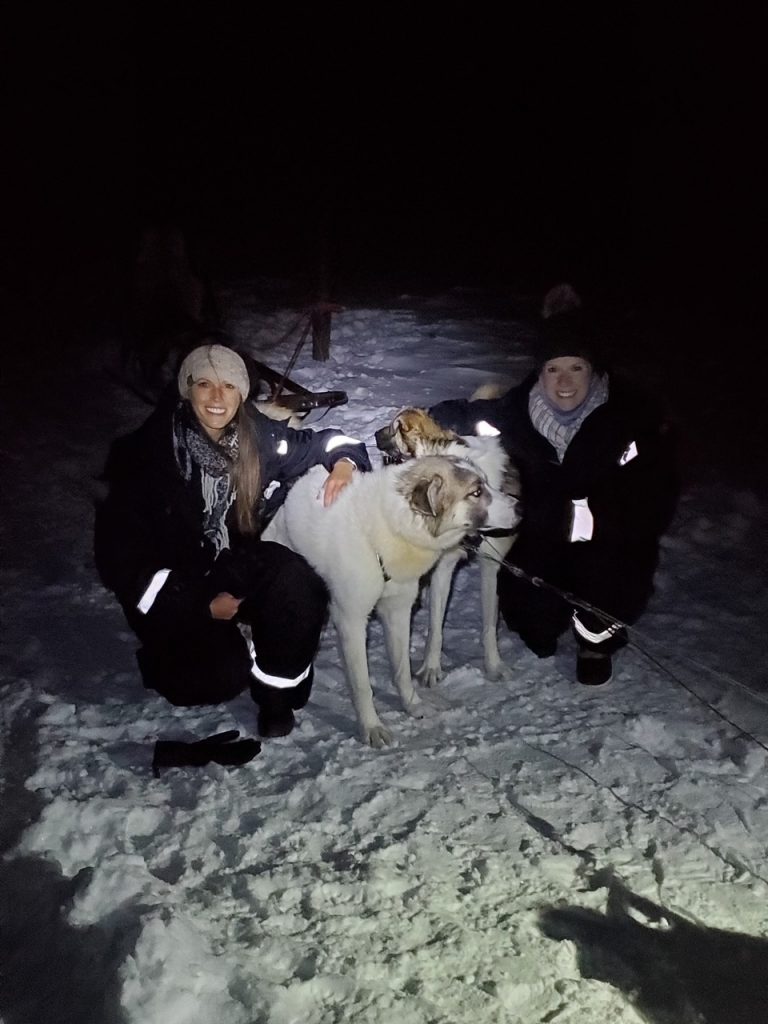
[
  {"x": 216, "y": 609},
  {"x": 599, "y": 487}
]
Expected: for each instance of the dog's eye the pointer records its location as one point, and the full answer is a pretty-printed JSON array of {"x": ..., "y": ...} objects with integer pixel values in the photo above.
[{"x": 477, "y": 493}]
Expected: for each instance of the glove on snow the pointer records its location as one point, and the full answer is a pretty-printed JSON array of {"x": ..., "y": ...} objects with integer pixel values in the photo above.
[{"x": 224, "y": 748}]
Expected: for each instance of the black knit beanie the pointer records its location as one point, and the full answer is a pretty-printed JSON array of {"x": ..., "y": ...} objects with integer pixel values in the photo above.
[{"x": 569, "y": 334}]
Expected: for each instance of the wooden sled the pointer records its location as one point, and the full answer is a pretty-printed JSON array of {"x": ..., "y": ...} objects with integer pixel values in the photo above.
[{"x": 286, "y": 393}]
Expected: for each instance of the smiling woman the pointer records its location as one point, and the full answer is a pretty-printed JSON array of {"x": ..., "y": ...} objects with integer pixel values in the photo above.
[
  {"x": 565, "y": 382},
  {"x": 215, "y": 405},
  {"x": 216, "y": 609},
  {"x": 598, "y": 488}
]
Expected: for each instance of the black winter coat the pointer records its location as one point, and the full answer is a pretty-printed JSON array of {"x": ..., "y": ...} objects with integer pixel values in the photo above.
[
  {"x": 152, "y": 519},
  {"x": 622, "y": 461},
  {"x": 632, "y": 497}
]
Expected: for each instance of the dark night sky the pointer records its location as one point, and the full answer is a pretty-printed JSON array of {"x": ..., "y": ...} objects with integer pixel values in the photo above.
[{"x": 435, "y": 142}]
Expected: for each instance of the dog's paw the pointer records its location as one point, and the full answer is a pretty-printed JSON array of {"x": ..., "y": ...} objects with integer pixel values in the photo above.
[
  {"x": 430, "y": 675},
  {"x": 497, "y": 671},
  {"x": 377, "y": 737}
]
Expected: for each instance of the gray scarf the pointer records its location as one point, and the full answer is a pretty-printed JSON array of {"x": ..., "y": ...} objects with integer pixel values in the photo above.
[
  {"x": 211, "y": 462},
  {"x": 560, "y": 430}
]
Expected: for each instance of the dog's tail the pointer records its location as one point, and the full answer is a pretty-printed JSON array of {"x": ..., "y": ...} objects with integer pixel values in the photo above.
[
  {"x": 562, "y": 298},
  {"x": 281, "y": 413},
  {"x": 491, "y": 389}
]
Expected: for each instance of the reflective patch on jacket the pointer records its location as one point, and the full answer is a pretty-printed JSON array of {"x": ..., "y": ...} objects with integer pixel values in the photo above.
[
  {"x": 582, "y": 523},
  {"x": 629, "y": 453}
]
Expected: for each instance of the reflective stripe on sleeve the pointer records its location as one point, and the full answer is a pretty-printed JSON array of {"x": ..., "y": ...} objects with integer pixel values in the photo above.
[
  {"x": 336, "y": 442},
  {"x": 156, "y": 584},
  {"x": 594, "y": 638}
]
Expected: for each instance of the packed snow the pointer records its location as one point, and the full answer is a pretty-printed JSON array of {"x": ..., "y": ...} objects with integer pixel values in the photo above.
[{"x": 536, "y": 852}]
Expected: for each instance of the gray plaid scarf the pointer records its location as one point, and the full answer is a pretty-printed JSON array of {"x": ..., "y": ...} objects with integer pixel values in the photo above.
[
  {"x": 560, "y": 428},
  {"x": 211, "y": 462}
]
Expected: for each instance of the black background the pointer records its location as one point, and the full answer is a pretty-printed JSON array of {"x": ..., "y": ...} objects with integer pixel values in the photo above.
[{"x": 412, "y": 146}]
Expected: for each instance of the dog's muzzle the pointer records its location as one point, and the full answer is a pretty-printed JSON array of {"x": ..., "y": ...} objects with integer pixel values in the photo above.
[{"x": 385, "y": 442}]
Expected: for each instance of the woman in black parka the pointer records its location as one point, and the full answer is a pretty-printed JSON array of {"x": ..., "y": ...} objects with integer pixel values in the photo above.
[
  {"x": 598, "y": 489},
  {"x": 216, "y": 609}
]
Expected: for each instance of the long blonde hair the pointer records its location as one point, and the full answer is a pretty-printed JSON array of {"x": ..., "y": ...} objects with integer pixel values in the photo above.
[{"x": 246, "y": 475}]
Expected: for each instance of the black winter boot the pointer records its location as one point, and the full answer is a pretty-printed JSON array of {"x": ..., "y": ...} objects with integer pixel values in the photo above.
[
  {"x": 275, "y": 719},
  {"x": 543, "y": 646},
  {"x": 275, "y": 711},
  {"x": 593, "y": 668}
]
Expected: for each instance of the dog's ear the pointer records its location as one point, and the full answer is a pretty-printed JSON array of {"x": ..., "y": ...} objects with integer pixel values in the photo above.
[
  {"x": 404, "y": 421},
  {"x": 402, "y": 428},
  {"x": 426, "y": 496}
]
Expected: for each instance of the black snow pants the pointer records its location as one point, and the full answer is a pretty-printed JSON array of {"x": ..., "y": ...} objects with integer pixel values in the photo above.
[
  {"x": 190, "y": 661},
  {"x": 618, "y": 581}
]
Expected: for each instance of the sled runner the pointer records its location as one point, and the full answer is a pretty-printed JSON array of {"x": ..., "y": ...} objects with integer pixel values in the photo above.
[{"x": 287, "y": 393}]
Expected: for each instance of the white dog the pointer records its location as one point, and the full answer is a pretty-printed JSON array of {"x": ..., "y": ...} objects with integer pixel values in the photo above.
[
  {"x": 373, "y": 545},
  {"x": 414, "y": 434}
]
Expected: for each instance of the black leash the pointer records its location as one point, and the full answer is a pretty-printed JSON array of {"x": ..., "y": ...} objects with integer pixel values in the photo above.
[
  {"x": 607, "y": 619},
  {"x": 537, "y": 581}
]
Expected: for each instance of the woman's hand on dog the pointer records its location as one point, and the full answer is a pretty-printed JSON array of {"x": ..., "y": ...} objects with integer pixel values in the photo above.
[{"x": 339, "y": 478}]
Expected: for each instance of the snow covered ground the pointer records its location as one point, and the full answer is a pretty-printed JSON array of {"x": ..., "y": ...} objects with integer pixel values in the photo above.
[{"x": 537, "y": 852}]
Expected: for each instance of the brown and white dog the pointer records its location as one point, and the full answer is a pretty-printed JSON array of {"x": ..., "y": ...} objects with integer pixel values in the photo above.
[{"x": 413, "y": 434}]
